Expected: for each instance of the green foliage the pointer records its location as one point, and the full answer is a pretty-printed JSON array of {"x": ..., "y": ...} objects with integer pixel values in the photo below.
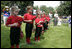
[
  {"x": 47, "y": 9},
  {"x": 64, "y": 8},
  {"x": 36, "y": 7},
  {"x": 22, "y": 5}
]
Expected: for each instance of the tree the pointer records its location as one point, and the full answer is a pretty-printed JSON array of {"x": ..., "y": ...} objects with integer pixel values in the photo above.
[
  {"x": 47, "y": 9},
  {"x": 50, "y": 9},
  {"x": 64, "y": 8},
  {"x": 36, "y": 7},
  {"x": 21, "y": 4},
  {"x": 43, "y": 8}
]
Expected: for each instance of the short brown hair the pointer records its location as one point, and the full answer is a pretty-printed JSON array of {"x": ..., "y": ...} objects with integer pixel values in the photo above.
[{"x": 29, "y": 7}]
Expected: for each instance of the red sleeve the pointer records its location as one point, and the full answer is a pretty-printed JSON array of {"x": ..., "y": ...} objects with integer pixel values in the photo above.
[
  {"x": 43, "y": 19},
  {"x": 36, "y": 20},
  {"x": 8, "y": 21},
  {"x": 25, "y": 16},
  {"x": 21, "y": 19},
  {"x": 49, "y": 18},
  {"x": 46, "y": 18},
  {"x": 33, "y": 17}
]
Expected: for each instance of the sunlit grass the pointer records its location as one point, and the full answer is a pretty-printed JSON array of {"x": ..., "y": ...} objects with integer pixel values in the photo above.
[{"x": 55, "y": 37}]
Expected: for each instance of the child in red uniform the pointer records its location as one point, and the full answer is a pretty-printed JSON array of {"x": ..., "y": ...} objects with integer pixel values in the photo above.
[
  {"x": 39, "y": 25},
  {"x": 47, "y": 21},
  {"x": 44, "y": 17},
  {"x": 14, "y": 22},
  {"x": 28, "y": 19}
]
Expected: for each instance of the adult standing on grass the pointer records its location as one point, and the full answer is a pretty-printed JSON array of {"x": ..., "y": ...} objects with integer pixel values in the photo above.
[
  {"x": 69, "y": 21},
  {"x": 55, "y": 19},
  {"x": 34, "y": 11},
  {"x": 28, "y": 19},
  {"x": 50, "y": 15},
  {"x": 59, "y": 21},
  {"x": 14, "y": 22},
  {"x": 6, "y": 14}
]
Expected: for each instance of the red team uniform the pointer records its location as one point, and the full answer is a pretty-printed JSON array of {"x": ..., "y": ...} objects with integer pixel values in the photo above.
[
  {"x": 14, "y": 30},
  {"x": 38, "y": 28},
  {"x": 29, "y": 26},
  {"x": 47, "y": 21}
]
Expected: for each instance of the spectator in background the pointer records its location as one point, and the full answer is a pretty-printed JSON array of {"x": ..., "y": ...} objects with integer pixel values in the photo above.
[
  {"x": 6, "y": 14},
  {"x": 69, "y": 21},
  {"x": 59, "y": 21},
  {"x": 56, "y": 19},
  {"x": 34, "y": 11},
  {"x": 2, "y": 17},
  {"x": 50, "y": 15}
]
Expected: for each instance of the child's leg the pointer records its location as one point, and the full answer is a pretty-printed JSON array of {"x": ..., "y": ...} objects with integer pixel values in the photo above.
[
  {"x": 17, "y": 37},
  {"x": 17, "y": 45},
  {"x": 47, "y": 25},
  {"x": 36, "y": 34},
  {"x": 17, "y": 40},
  {"x": 31, "y": 27},
  {"x": 44, "y": 26},
  {"x": 42, "y": 30},
  {"x": 12, "y": 37},
  {"x": 4, "y": 19},
  {"x": 39, "y": 33},
  {"x": 28, "y": 32}
]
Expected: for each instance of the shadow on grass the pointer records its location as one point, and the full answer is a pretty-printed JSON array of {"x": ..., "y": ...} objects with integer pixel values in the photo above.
[
  {"x": 33, "y": 44},
  {"x": 5, "y": 39}
]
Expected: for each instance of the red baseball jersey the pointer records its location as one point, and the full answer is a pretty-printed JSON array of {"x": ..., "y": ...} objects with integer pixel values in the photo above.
[
  {"x": 43, "y": 19},
  {"x": 47, "y": 18},
  {"x": 37, "y": 20},
  {"x": 29, "y": 17},
  {"x": 14, "y": 19}
]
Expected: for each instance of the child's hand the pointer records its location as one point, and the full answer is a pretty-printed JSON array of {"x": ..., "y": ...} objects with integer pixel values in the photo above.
[
  {"x": 39, "y": 21},
  {"x": 30, "y": 20},
  {"x": 15, "y": 24}
]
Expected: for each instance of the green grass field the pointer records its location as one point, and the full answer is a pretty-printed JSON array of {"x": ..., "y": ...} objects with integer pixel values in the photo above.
[{"x": 55, "y": 37}]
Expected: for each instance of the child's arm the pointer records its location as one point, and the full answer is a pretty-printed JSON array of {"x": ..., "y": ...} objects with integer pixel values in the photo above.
[
  {"x": 8, "y": 23},
  {"x": 27, "y": 20},
  {"x": 34, "y": 17},
  {"x": 39, "y": 22}
]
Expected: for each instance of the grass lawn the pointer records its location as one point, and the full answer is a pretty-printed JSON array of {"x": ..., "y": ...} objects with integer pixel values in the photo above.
[{"x": 55, "y": 37}]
